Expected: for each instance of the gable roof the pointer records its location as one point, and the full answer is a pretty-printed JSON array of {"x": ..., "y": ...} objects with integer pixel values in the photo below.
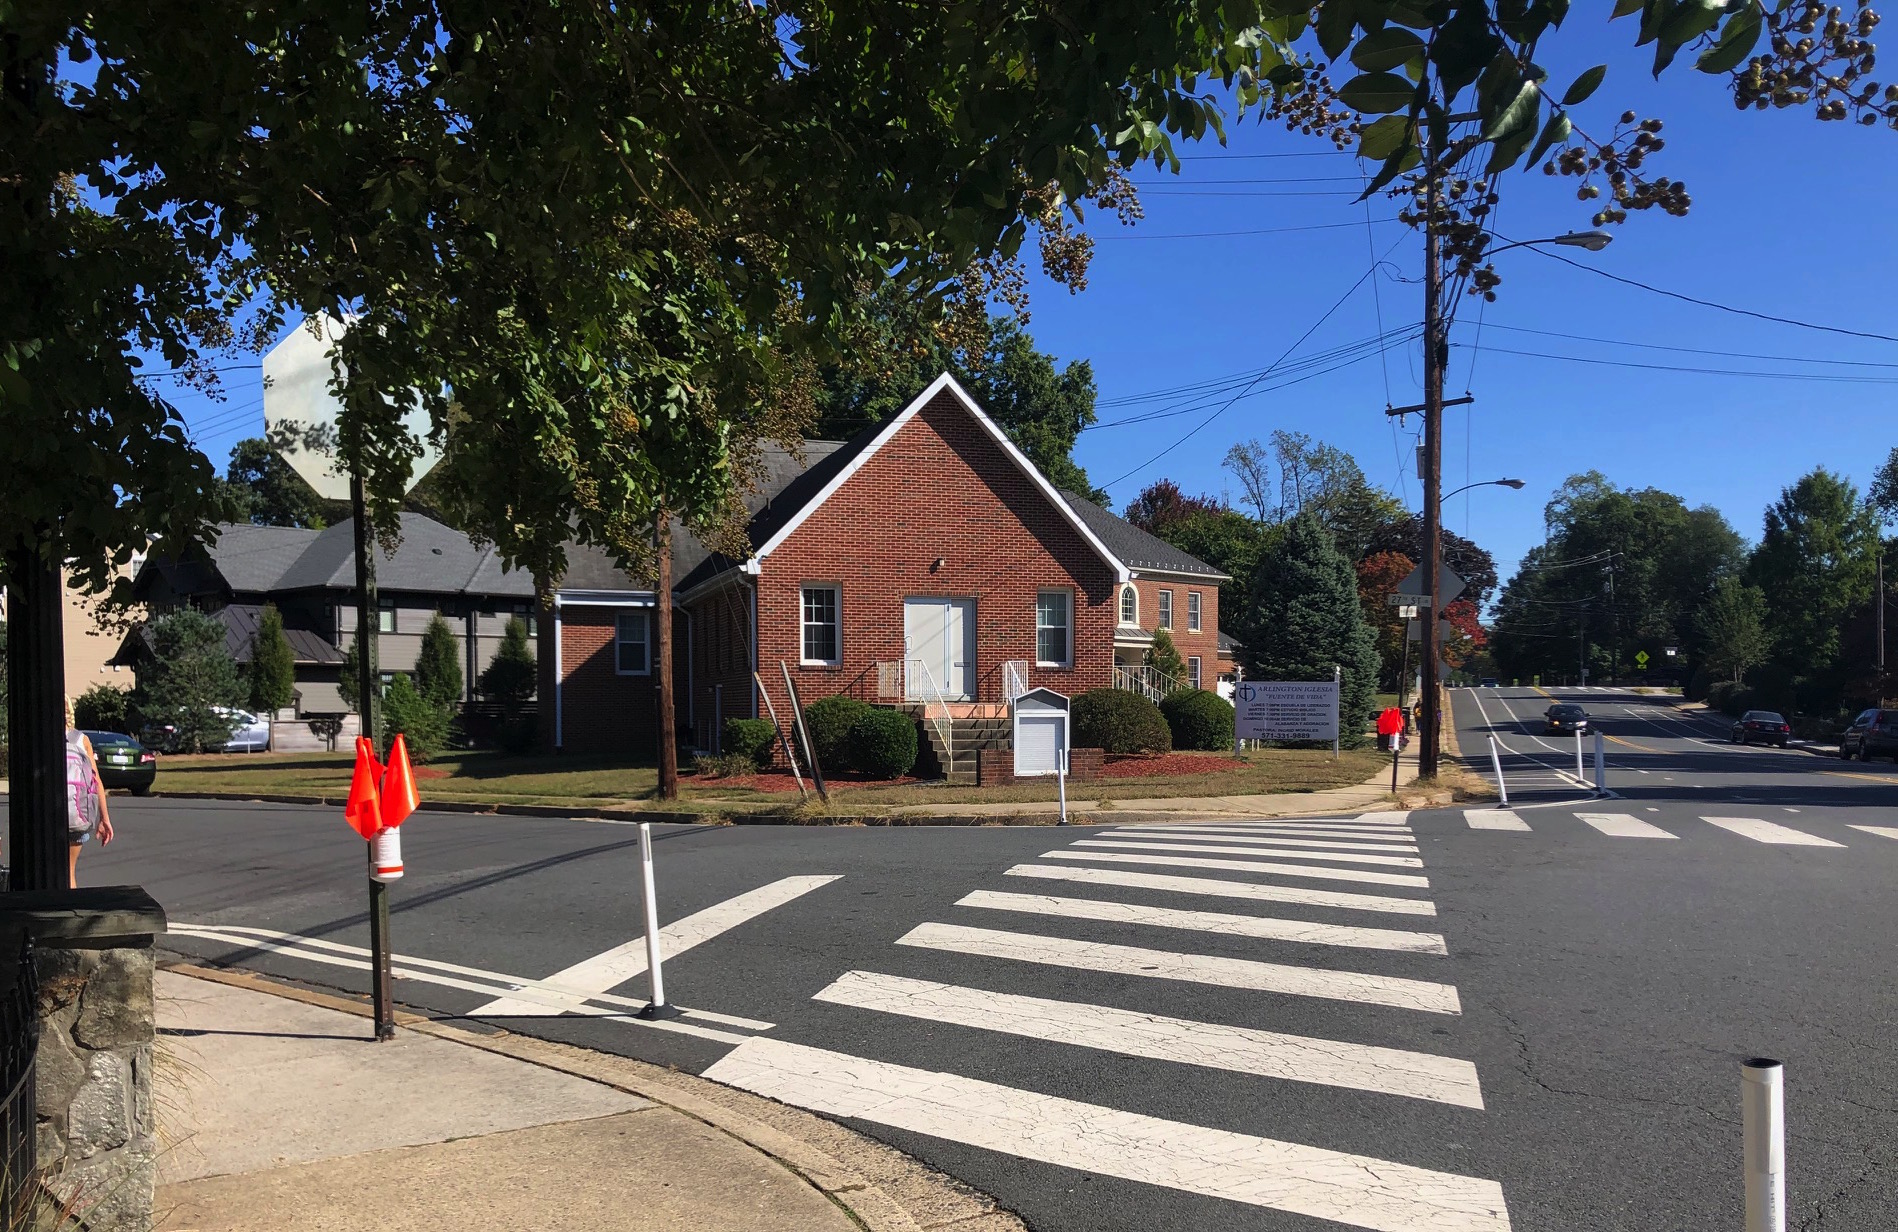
[
  {"x": 1139, "y": 550},
  {"x": 823, "y": 479}
]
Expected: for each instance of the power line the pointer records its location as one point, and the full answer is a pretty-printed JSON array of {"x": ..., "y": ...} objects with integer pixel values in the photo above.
[
  {"x": 1708, "y": 303},
  {"x": 1250, "y": 192},
  {"x": 1189, "y": 158},
  {"x": 1188, "y": 398},
  {"x": 1210, "y": 235},
  {"x": 1826, "y": 377},
  {"x": 1656, "y": 346},
  {"x": 146, "y": 376}
]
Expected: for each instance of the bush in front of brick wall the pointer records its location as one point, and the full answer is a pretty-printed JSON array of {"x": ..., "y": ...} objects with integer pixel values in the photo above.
[
  {"x": 749, "y": 738},
  {"x": 1119, "y": 721},
  {"x": 883, "y": 743},
  {"x": 1198, "y": 719},
  {"x": 829, "y": 722}
]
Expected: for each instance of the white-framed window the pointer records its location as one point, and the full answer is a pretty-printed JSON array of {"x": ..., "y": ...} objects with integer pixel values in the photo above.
[
  {"x": 1166, "y": 610},
  {"x": 1054, "y": 628},
  {"x": 1129, "y": 605},
  {"x": 385, "y": 614},
  {"x": 1192, "y": 612},
  {"x": 823, "y": 638},
  {"x": 1192, "y": 670},
  {"x": 632, "y": 643}
]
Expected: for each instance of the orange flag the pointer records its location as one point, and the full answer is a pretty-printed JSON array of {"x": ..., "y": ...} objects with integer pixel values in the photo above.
[
  {"x": 399, "y": 797},
  {"x": 363, "y": 812}
]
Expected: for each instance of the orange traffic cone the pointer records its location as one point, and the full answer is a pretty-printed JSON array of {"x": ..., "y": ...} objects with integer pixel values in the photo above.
[
  {"x": 363, "y": 812},
  {"x": 399, "y": 797}
]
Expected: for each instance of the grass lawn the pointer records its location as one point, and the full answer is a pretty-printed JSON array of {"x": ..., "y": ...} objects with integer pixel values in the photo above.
[{"x": 583, "y": 783}]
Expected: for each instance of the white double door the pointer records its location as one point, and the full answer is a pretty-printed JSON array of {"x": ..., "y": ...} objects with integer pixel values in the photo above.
[{"x": 939, "y": 648}]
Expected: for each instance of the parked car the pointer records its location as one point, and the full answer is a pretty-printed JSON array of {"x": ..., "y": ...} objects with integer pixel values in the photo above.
[
  {"x": 123, "y": 762},
  {"x": 252, "y": 734},
  {"x": 1873, "y": 733},
  {"x": 1764, "y": 726},
  {"x": 1566, "y": 718}
]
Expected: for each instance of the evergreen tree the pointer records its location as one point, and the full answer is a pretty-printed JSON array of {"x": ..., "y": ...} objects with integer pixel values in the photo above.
[
  {"x": 190, "y": 672},
  {"x": 422, "y": 723},
  {"x": 273, "y": 671},
  {"x": 511, "y": 677},
  {"x": 1303, "y": 620},
  {"x": 1164, "y": 657},
  {"x": 438, "y": 665},
  {"x": 346, "y": 685}
]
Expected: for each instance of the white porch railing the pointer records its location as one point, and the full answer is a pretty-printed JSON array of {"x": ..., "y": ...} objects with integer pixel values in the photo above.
[
  {"x": 911, "y": 681},
  {"x": 1014, "y": 679},
  {"x": 1149, "y": 682}
]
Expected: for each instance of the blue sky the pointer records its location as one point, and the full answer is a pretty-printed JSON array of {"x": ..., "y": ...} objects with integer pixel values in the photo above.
[{"x": 1790, "y": 217}]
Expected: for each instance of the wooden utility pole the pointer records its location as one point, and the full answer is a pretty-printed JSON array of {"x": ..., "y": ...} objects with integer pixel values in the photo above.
[
  {"x": 662, "y": 669},
  {"x": 1436, "y": 357}
]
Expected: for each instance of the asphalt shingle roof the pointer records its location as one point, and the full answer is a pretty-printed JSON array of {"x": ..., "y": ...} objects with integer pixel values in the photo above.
[
  {"x": 1136, "y": 548},
  {"x": 431, "y": 558}
]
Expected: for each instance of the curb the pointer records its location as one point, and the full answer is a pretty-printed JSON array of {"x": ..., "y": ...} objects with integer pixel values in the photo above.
[{"x": 877, "y": 1185}]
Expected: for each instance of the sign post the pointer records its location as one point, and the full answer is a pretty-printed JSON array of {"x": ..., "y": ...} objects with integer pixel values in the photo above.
[{"x": 301, "y": 411}]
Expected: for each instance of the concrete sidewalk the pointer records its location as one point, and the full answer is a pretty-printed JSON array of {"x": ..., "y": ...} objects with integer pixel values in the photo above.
[
  {"x": 1369, "y": 796},
  {"x": 278, "y": 1114}
]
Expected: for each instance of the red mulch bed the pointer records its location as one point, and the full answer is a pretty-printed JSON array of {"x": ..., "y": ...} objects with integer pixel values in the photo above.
[
  {"x": 1161, "y": 765},
  {"x": 429, "y": 772}
]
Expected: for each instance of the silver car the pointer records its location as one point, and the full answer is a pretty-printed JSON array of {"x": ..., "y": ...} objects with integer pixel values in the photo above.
[{"x": 252, "y": 734}]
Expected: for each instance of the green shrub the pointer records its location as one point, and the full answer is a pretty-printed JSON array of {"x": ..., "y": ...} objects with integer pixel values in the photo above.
[
  {"x": 422, "y": 723},
  {"x": 829, "y": 722},
  {"x": 724, "y": 765},
  {"x": 1730, "y": 698},
  {"x": 102, "y": 708},
  {"x": 750, "y": 739},
  {"x": 1198, "y": 719},
  {"x": 438, "y": 664},
  {"x": 882, "y": 743},
  {"x": 1118, "y": 721}
]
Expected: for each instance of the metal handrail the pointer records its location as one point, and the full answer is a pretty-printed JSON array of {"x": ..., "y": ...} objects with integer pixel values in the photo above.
[
  {"x": 1150, "y": 682},
  {"x": 945, "y": 730},
  {"x": 1014, "y": 679}
]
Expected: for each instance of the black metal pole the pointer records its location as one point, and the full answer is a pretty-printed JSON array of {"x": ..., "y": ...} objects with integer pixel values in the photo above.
[
  {"x": 36, "y": 724},
  {"x": 382, "y": 978}
]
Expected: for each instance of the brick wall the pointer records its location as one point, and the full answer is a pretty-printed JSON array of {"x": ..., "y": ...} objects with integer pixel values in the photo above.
[
  {"x": 721, "y": 662},
  {"x": 941, "y": 488},
  {"x": 1205, "y": 643},
  {"x": 996, "y": 767},
  {"x": 602, "y": 711}
]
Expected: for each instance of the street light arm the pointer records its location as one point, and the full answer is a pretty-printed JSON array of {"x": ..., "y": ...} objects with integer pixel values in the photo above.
[
  {"x": 1594, "y": 241},
  {"x": 1486, "y": 483}
]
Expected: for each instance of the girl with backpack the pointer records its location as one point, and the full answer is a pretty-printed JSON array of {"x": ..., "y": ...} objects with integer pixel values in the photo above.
[{"x": 86, "y": 812}]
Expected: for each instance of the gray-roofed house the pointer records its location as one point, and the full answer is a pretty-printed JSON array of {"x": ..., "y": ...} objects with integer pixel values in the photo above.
[{"x": 310, "y": 575}]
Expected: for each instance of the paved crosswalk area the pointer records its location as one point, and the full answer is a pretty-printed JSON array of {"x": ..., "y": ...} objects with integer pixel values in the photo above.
[
  {"x": 1251, "y": 1016},
  {"x": 1788, "y": 832}
]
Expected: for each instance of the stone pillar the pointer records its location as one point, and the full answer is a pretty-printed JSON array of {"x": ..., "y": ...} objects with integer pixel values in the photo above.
[{"x": 97, "y": 1133}]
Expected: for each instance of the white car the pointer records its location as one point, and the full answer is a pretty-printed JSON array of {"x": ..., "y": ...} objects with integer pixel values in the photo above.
[{"x": 252, "y": 734}]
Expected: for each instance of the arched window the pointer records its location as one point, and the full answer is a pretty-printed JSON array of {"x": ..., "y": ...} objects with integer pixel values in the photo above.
[{"x": 1129, "y": 605}]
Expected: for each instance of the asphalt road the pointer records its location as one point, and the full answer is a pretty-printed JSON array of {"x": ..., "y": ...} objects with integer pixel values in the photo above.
[{"x": 1401, "y": 1023}]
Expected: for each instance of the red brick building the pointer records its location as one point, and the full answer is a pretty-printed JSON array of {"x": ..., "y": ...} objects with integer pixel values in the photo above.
[{"x": 927, "y": 561}]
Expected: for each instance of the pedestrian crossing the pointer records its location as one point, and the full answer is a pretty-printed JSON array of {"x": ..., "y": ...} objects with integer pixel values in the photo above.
[
  {"x": 1627, "y": 825},
  {"x": 1322, "y": 924}
]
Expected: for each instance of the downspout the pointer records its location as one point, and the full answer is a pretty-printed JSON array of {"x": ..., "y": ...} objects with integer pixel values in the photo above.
[{"x": 560, "y": 675}]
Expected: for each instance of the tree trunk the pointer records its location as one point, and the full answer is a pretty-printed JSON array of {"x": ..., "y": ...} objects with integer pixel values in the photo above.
[
  {"x": 662, "y": 668},
  {"x": 37, "y": 836}
]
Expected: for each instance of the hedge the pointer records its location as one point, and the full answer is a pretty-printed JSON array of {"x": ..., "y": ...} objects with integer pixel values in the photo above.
[
  {"x": 883, "y": 743},
  {"x": 750, "y": 739},
  {"x": 1118, "y": 721},
  {"x": 1198, "y": 719},
  {"x": 829, "y": 722},
  {"x": 1730, "y": 698}
]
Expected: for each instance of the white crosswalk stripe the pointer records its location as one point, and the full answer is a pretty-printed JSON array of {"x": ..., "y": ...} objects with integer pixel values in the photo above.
[
  {"x": 1769, "y": 832},
  {"x": 1494, "y": 819},
  {"x": 1280, "y": 853},
  {"x": 1288, "y": 838},
  {"x": 1881, "y": 831},
  {"x": 1243, "y": 866},
  {"x": 1227, "y": 889},
  {"x": 1623, "y": 825},
  {"x": 1396, "y": 992},
  {"x": 1226, "y": 923}
]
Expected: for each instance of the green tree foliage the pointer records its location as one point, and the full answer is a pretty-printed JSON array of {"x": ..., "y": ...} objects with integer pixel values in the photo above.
[
  {"x": 273, "y": 668},
  {"x": 883, "y": 743},
  {"x": 1205, "y": 528},
  {"x": 1119, "y": 721},
  {"x": 1815, "y": 567},
  {"x": 102, "y": 708},
  {"x": 511, "y": 676},
  {"x": 438, "y": 664},
  {"x": 901, "y": 347},
  {"x": 346, "y": 684},
  {"x": 1198, "y": 719},
  {"x": 189, "y": 673},
  {"x": 1164, "y": 657},
  {"x": 1305, "y": 620},
  {"x": 266, "y": 491},
  {"x": 422, "y": 723},
  {"x": 1732, "y": 628},
  {"x": 1296, "y": 474}
]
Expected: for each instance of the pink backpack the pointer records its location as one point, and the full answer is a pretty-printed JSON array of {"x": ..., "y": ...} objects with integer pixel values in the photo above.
[{"x": 82, "y": 787}]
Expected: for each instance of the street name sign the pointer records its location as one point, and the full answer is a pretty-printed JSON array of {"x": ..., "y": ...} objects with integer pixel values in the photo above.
[{"x": 1286, "y": 709}]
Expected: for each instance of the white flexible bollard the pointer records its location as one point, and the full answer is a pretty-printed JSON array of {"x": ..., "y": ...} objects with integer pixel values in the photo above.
[
  {"x": 1763, "y": 1120},
  {"x": 658, "y": 1007},
  {"x": 1496, "y": 760},
  {"x": 1580, "y": 775},
  {"x": 1601, "y": 765}
]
